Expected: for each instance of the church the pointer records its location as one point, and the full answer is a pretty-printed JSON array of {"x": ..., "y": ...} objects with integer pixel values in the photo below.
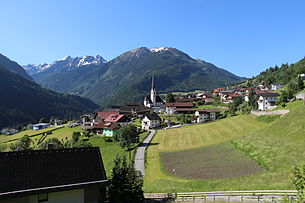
[{"x": 154, "y": 101}]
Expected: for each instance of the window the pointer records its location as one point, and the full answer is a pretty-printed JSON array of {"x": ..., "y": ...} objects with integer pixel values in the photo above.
[{"x": 43, "y": 197}]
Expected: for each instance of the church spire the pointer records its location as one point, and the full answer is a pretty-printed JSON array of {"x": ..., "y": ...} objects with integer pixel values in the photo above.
[{"x": 153, "y": 83}]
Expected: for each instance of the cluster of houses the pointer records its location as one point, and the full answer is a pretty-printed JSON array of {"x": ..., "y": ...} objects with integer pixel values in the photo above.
[{"x": 109, "y": 121}]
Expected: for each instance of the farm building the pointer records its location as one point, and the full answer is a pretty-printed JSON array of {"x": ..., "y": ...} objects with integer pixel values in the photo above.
[{"x": 56, "y": 175}]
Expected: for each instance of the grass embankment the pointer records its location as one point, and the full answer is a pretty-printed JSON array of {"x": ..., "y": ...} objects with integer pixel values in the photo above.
[
  {"x": 276, "y": 146},
  {"x": 190, "y": 137},
  {"x": 5, "y": 138},
  {"x": 110, "y": 150}
]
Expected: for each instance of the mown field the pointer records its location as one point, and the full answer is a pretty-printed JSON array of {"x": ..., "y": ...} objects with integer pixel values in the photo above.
[
  {"x": 212, "y": 162},
  {"x": 190, "y": 137},
  {"x": 275, "y": 145}
]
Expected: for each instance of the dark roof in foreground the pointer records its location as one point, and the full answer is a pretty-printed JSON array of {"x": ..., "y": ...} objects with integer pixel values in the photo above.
[{"x": 44, "y": 170}]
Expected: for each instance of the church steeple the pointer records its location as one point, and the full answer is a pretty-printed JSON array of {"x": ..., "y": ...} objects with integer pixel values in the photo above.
[
  {"x": 153, "y": 83},
  {"x": 153, "y": 92}
]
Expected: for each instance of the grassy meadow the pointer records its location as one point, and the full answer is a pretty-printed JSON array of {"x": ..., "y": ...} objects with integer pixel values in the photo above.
[
  {"x": 275, "y": 143},
  {"x": 190, "y": 137}
]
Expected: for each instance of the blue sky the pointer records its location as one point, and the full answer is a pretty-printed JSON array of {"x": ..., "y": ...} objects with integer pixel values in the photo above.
[{"x": 244, "y": 37}]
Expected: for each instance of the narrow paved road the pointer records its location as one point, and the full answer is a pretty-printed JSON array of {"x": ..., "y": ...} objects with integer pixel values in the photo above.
[{"x": 140, "y": 155}]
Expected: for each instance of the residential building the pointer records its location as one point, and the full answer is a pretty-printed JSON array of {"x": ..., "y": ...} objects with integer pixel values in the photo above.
[
  {"x": 150, "y": 121},
  {"x": 266, "y": 100},
  {"x": 38, "y": 126},
  {"x": 55, "y": 176},
  {"x": 203, "y": 115},
  {"x": 230, "y": 98},
  {"x": 134, "y": 109},
  {"x": 176, "y": 107},
  {"x": 119, "y": 119},
  {"x": 276, "y": 86},
  {"x": 101, "y": 116}
]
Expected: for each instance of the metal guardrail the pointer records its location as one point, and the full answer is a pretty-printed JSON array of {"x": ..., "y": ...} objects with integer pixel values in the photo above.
[{"x": 224, "y": 196}]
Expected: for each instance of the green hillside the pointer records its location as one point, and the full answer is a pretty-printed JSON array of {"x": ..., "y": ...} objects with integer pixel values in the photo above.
[
  {"x": 13, "y": 67},
  {"x": 24, "y": 101},
  {"x": 275, "y": 146},
  {"x": 282, "y": 74}
]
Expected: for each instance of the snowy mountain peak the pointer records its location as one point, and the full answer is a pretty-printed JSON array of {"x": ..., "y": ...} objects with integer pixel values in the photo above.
[
  {"x": 65, "y": 64},
  {"x": 159, "y": 49},
  {"x": 65, "y": 58}
]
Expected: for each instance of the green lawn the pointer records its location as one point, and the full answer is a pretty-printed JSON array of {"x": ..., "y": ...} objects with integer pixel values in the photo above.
[
  {"x": 276, "y": 146},
  {"x": 110, "y": 150}
]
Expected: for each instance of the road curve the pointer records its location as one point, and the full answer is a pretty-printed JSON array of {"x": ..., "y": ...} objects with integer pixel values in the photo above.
[{"x": 140, "y": 155}]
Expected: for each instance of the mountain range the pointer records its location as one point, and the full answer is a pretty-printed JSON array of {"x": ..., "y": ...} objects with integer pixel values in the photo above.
[
  {"x": 127, "y": 77},
  {"x": 25, "y": 101}
]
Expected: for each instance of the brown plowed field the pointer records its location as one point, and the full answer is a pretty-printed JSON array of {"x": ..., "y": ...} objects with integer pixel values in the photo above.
[{"x": 213, "y": 162}]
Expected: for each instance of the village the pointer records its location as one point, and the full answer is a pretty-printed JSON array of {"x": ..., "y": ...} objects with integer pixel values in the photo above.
[{"x": 154, "y": 110}]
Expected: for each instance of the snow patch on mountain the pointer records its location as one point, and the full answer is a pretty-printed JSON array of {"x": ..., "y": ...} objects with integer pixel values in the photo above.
[
  {"x": 66, "y": 63},
  {"x": 159, "y": 49}
]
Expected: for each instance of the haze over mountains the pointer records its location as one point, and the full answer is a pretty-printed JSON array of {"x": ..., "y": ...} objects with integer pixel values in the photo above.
[{"x": 127, "y": 77}]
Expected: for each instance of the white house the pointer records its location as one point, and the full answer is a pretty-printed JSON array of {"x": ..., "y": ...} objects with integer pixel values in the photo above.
[
  {"x": 276, "y": 86},
  {"x": 266, "y": 100},
  {"x": 203, "y": 115},
  {"x": 150, "y": 121},
  {"x": 39, "y": 126}
]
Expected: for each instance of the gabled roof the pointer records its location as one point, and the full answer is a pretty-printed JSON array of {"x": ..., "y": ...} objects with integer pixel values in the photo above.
[
  {"x": 104, "y": 114},
  {"x": 114, "y": 118},
  {"x": 27, "y": 172},
  {"x": 158, "y": 99},
  {"x": 177, "y": 104},
  {"x": 185, "y": 100},
  {"x": 133, "y": 107},
  {"x": 273, "y": 94},
  {"x": 153, "y": 116},
  {"x": 147, "y": 98}
]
